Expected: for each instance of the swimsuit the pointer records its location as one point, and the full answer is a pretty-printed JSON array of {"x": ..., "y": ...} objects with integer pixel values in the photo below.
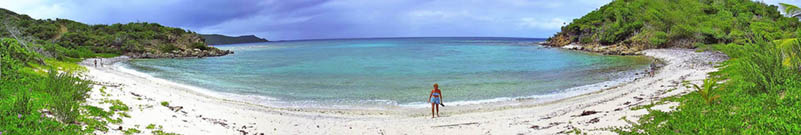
[{"x": 435, "y": 100}]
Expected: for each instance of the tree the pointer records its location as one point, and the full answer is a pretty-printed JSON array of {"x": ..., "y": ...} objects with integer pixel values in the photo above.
[{"x": 791, "y": 10}]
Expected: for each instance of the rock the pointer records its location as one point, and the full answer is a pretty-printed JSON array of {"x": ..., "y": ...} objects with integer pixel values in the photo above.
[
  {"x": 585, "y": 113},
  {"x": 573, "y": 47},
  {"x": 594, "y": 120},
  {"x": 175, "y": 108}
]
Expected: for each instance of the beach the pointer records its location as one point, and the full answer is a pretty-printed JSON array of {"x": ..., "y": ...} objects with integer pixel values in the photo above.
[{"x": 194, "y": 111}]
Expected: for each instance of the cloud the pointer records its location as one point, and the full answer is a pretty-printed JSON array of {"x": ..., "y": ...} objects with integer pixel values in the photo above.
[
  {"x": 313, "y": 19},
  {"x": 34, "y": 8}
]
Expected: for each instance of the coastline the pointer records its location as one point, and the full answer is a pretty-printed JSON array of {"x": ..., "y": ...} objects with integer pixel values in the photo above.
[{"x": 205, "y": 114}]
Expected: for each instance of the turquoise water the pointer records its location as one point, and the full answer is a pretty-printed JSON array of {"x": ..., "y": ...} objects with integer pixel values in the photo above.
[{"x": 395, "y": 72}]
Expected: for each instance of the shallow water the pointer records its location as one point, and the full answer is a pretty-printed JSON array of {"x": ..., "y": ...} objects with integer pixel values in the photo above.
[{"x": 394, "y": 72}]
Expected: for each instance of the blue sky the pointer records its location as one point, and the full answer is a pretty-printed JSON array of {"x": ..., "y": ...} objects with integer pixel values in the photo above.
[{"x": 318, "y": 19}]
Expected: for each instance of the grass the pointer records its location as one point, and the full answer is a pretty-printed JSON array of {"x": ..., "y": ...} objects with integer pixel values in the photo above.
[
  {"x": 131, "y": 131},
  {"x": 158, "y": 130},
  {"x": 165, "y": 103},
  {"x": 161, "y": 132},
  {"x": 709, "y": 90},
  {"x": 757, "y": 95},
  {"x": 151, "y": 126},
  {"x": 117, "y": 105},
  {"x": 42, "y": 95}
]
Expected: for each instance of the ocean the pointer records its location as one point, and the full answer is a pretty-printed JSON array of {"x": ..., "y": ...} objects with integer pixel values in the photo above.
[{"x": 394, "y": 72}]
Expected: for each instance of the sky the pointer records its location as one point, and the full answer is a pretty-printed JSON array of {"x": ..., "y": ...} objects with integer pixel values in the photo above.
[{"x": 325, "y": 19}]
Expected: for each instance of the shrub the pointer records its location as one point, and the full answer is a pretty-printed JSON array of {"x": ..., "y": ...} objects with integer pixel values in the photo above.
[
  {"x": 759, "y": 96},
  {"x": 165, "y": 103},
  {"x": 709, "y": 90},
  {"x": 200, "y": 46},
  {"x": 658, "y": 39},
  {"x": 759, "y": 66},
  {"x": 167, "y": 48},
  {"x": 586, "y": 40},
  {"x": 67, "y": 91}
]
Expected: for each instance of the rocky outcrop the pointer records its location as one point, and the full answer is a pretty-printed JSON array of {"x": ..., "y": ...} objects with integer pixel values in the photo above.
[
  {"x": 135, "y": 39},
  {"x": 567, "y": 40},
  {"x": 182, "y": 54},
  {"x": 185, "y": 45},
  {"x": 597, "y": 48},
  {"x": 558, "y": 40},
  {"x": 217, "y": 39}
]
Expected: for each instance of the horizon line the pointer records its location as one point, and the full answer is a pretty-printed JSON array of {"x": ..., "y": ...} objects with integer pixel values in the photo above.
[{"x": 400, "y": 37}]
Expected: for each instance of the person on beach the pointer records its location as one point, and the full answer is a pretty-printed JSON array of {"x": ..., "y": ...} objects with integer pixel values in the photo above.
[
  {"x": 435, "y": 98},
  {"x": 95, "y": 62},
  {"x": 653, "y": 70}
]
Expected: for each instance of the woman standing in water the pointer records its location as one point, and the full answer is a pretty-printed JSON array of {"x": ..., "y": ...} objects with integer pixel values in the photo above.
[{"x": 435, "y": 98}]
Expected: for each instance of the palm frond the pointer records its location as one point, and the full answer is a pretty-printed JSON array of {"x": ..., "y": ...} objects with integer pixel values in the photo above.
[
  {"x": 790, "y": 10},
  {"x": 707, "y": 91}
]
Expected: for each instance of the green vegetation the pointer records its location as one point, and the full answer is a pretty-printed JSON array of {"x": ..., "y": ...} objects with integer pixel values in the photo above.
[
  {"x": 41, "y": 90},
  {"x": 756, "y": 91},
  {"x": 643, "y": 24},
  {"x": 216, "y": 39},
  {"x": 760, "y": 96},
  {"x": 790, "y": 10},
  {"x": 151, "y": 126},
  {"x": 708, "y": 92},
  {"x": 165, "y": 103},
  {"x": 35, "y": 98},
  {"x": 131, "y": 131},
  {"x": 158, "y": 130},
  {"x": 68, "y": 40}
]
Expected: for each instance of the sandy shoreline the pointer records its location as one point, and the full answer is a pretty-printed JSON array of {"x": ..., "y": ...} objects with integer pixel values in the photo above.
[{"x": 203, "y": 114}]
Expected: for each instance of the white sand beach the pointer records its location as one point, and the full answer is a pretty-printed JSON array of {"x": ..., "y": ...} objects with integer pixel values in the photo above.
[{"x": 193, "y": 112}]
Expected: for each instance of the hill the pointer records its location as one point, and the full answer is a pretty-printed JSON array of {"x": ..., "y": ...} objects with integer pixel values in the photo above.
[
  {"x": 62, "y": 38},
  {"x": 217, "y": 39},
  {"x": 628, "y": 26},
  {"x": 756, "y": 91}
]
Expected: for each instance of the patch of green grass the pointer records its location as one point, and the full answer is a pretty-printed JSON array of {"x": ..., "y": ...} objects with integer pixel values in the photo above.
[
  {"x": 759, "y": 96},
  {"x": 103, "y": 90},
  {"x": 165, "y": 103},
  {"x": 160, "y": 132},
  {"x": 117, "y": 105},
  {"x": 151, "y": 126},
  {"x": 31, "y": 83},
  {"x": 123, "y": 114},
  {"x": 131, "y": 131}
]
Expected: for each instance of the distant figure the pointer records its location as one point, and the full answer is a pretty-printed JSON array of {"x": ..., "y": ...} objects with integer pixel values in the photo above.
[
  {"x": 653, "y": 70},
  {"x": 95, "y": 62},
  {"x": 435, "y": 98}
]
